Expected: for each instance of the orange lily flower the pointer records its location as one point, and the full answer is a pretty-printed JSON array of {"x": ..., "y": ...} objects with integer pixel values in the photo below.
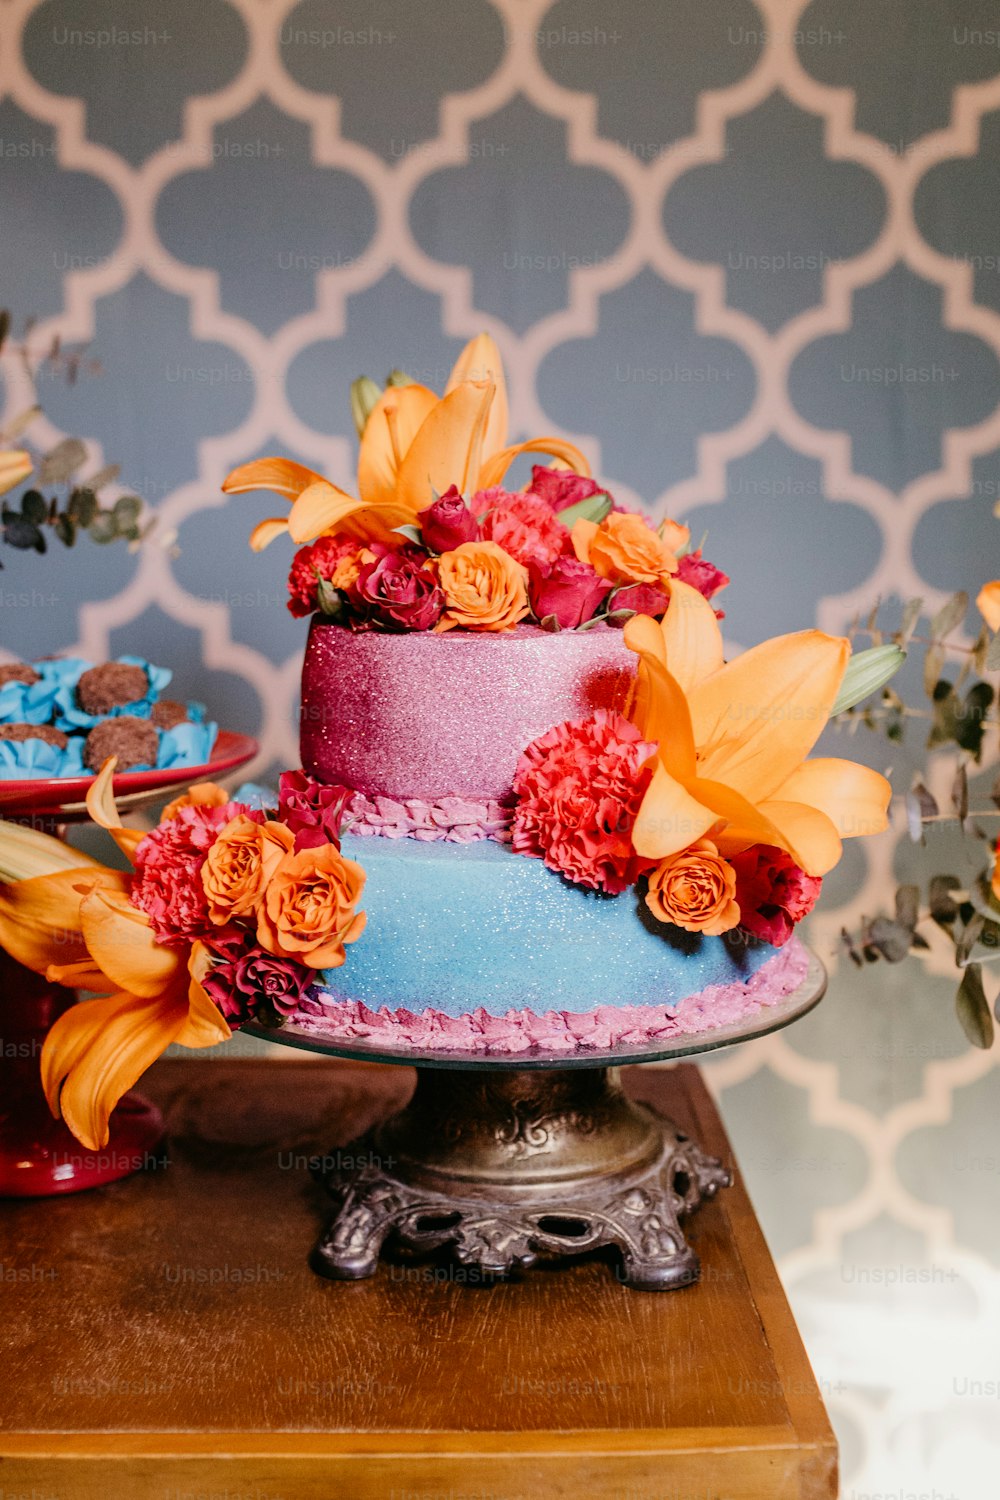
[
  {"x": 733, "y": 740},
  {"x": 15, "y": 465},
  {"x": 415, "y": 445},
  {"x": 76, "y": 925},
  {"x": 988, "y": 603}
]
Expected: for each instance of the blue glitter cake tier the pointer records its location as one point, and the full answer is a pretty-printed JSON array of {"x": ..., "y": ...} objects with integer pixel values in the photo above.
[{"x": 458, "y": 927}]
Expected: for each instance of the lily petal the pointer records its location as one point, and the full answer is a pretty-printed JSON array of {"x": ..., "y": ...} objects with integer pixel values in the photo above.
[
  {"x": 497, "y": 464},
  {"x": 661, "y": 710},
  {"x": 448, "y": 448},
  {"x": 691, "y": 635},
  {"x": 807, "y": 833},
  {"x": 854, "y": 798},
  {"x": 278, "y": 474},
  {"x": 40, "y": 918},
  {"x": 988, "y": 603},
  {"x": 122, "y": 944},
  {"x": 318, "y": 509},
  {"x": 205, "y": 1025},
  {"x": 97, "y": 1050},
  {"x": 757, "y": 718},
  {"x": 480, "y": 360},
  {"x": 670, "y": 818},
  {"x": 84, "y": 975},
  {"x": 266, "y": 532},
  {"x": 15, "y": 465},
  {"x": 395, "y": 420},
  {"x": 27, "y": 852},
  {"x": 103, "y": 809}
]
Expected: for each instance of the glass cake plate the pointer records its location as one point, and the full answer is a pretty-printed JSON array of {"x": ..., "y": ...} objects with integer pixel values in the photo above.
[{"x": 505, "y": 1161}]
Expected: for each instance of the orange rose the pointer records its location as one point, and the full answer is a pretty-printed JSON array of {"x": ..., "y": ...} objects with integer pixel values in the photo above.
[
  {"x": 627, "y": 550},
  {"x": 695, "y": 889},
  {"x": 240, "y": 865},
  {"x": 308, "y": 912},
  {"x": 202, "y": 794},
  {"x": 484, "y": 588},
  {"x": 988, "y": 603}
]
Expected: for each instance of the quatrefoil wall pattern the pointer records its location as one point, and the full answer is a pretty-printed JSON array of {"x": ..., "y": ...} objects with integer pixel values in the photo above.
[{"x": 745, "y": 255}]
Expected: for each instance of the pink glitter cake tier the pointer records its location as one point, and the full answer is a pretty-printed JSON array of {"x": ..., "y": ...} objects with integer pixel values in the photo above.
[{"x": 425, "y": 716}]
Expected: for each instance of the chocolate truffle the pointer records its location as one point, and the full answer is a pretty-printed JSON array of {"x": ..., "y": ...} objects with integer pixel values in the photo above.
[
  {"x": 47, "y": 732},
  {"x": 18, "y": 671},
  {"x": 168, "y": 713},
  {"x": 134, "y": 741},
  {"x": 111, "y": 685}
]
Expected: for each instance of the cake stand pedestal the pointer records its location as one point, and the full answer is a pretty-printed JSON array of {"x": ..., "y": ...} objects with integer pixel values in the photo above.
[
  {"x": 509, "y": 1163},
  {"x": 38, "y": 1155}
]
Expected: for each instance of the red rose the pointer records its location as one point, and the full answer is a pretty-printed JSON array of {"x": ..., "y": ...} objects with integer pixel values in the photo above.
[
  {"x": 448, "y": 523},
  {"x": 772, "y": 892},
  {"x": 642, "y": 599},
  {"x": 571, "y": 591},
  {"x": 561, "y": 487},
  {"x": 523, "y": 525},
  {"x": 314, "y": 812},
  {"x": 397, "y": 592},
  {"x": 700, "y": 574}
]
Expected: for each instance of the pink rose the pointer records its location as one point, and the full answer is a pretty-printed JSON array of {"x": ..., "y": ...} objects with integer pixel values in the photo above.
[
  {"x": 772, "y": 892},
  {"x": 642, "y": 599},
  {"x": 523, "y": 525},
  {"x": 398, "y": 592},
  {"x": 561, "y": 487},
  {"x": 700, "y": 574},
  {"x": 571, "y": 591},
  {"x": 448, "y": 523}
]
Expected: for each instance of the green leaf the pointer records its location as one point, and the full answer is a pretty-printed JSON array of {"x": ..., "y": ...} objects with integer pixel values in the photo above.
[
  {"x": 412, "y": 533},
  {"x": 907, "y": 625},
  {"x": 365, "y": 395},
  {"x": 104, "y": 476},
  {"x": 399, "y": 377},
  {"x": 892, "y": 939},
  {"x": 328, "y": 598},
  {"x": 993, "y": 655},
  {"x": 593, "y": 508},
  {"x": 973, "y": 1011},
  {"x": 867, "y": 671},
  {"x": 950, "y": 614},
  {"x": 960, "y": 793},
  {"x": 63, "y": 461},
  {"x": 34, "y": 507},
  {"x": 103, "y": 528},
  {"x": 82, "y": 507},
  {"x": 65, "y": 529},
  {"x": 943, "y": 907},
  {"x": 22, "y": 534},
  {"x": 619, "y": 617}
]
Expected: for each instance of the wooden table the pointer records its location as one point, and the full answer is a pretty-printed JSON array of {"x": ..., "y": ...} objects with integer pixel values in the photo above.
[{"x": 165, "y": 1338}]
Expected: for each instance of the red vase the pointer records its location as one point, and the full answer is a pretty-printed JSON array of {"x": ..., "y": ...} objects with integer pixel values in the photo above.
[{"x": 38, "y": 1155}]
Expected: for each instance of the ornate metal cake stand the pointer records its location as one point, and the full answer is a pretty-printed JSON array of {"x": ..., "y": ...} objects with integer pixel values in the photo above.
[{"x": 506, "y": 1162}]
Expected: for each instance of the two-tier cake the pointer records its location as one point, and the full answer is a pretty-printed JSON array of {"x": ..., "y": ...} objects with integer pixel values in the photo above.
[{"x": 579, "y": 827}]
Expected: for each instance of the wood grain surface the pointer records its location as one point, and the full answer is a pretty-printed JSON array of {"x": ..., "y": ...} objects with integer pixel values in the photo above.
[{"x": 164, "y": 1337}]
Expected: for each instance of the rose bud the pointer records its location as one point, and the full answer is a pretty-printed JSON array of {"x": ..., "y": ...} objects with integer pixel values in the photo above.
[
  {"x": 448, "y": 523},
  {"x": 561, "y": 487},
  {"x": 571, "y": 591},
  {"x": 399, "y": 594},
  {"x": 641, "y": 599},
  {"x": 701, "y": 574}
]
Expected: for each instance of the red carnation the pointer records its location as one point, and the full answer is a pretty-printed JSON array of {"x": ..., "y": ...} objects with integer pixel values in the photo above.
[
  {"x": 773, "y": 893},
  {"x": 579, "y": 788},
  {"x": 561, "y": 487},
  {"x": 448, "y": 523},
  {"x": 330, "y": 558},
  {"x": 571, "y": 591},
  {"x": 700, "y": 574},
  {"x": 167, "y": 884},
  {"x": 523, "y": 525}
]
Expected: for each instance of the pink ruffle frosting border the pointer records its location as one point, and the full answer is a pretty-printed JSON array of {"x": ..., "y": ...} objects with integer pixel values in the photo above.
[
  {"x": 558, "y": 1031},
  {"x": 456, "y": 820}
]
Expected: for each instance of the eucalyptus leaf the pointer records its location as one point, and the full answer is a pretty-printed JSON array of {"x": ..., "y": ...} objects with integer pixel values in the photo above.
[
  {"x": 22, "y": 534},
  {"x": 34, "y": 507},
  {"x": 866, "y": 672},
  {"x": 104, "y": 476},
  {"x": 942, "y": 904},
  {"x": 933, "y": 666},
  {"x": 892, "y": 939},
  {"x": 950, "y": 614},
  {"x": 4, "y": 325},
  {"x": 993, "y": 655},
  {"x": 920, "y": 806},
  {"x": 908, "y": 905},
  {"x": 968, "y": 938},
  {"x": 63, "y": 461},
  {"x": 973, "y": 1011},
  {"x": 103, "y": 527},
  {"x": 82, "y": 507},
  {"x": 18, "y": 425},
  {"x": 911, "y": 614},
  {"x": 65, "y": 529},
  {"x": 127, "y": 510},
  {"x": 960, "y": 793},
  {"x": 593, "y": 508}
]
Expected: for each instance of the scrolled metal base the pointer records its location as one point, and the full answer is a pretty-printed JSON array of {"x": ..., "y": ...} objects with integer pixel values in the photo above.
[{"x": 506, "y": 1168}]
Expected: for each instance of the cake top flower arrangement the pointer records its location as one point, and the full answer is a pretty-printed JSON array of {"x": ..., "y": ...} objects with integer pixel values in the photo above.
[{"x": 433, "y": 540}]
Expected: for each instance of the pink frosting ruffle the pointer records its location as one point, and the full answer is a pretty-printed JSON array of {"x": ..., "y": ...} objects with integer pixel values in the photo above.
[
  {"x": 557, "y": 1031},
  {"x": 455, "y": 820}
]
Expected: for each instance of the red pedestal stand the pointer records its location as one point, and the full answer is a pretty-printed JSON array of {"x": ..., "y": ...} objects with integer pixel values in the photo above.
[{"x": 38, "y": 1155}]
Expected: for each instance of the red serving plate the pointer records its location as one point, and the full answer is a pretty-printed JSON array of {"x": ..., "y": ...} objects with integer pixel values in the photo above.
[{"x": 63, "y": 798}]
